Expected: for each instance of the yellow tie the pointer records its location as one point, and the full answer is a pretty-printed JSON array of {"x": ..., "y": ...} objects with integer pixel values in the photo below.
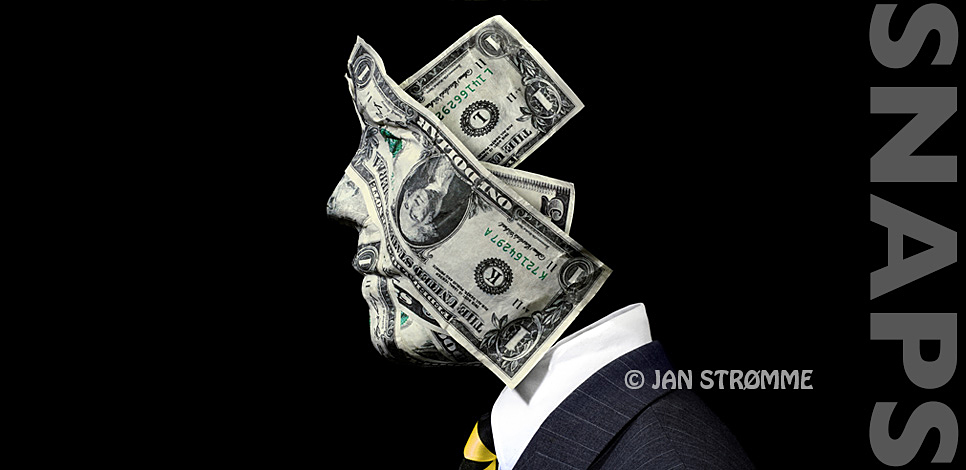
[{"x": 476, "y": 454}]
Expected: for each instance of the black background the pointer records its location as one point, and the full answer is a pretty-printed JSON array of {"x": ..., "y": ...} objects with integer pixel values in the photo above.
[{"x": 721, "y": 171}]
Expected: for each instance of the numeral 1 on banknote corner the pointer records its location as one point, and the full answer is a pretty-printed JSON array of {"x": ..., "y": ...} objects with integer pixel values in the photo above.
[
  {"x": 492, "y": 42},
  {"x": 541, "y": 96}
]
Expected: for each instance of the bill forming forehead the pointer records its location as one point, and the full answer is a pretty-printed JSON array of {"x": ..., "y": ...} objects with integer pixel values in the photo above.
[{"x": 369, "y": 88}]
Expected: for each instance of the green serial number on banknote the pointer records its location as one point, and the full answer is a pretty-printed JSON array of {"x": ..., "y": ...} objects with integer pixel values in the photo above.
[
  {"x": 471, "y": 87},
  {"x": 525, "y": 261}
]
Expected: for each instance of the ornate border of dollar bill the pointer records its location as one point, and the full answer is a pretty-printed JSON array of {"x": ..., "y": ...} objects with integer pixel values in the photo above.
[{"x": 508, "y": 337}]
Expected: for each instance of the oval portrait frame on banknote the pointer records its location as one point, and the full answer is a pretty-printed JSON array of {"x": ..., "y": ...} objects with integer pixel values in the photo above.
[{"x": 432, "y": 182}]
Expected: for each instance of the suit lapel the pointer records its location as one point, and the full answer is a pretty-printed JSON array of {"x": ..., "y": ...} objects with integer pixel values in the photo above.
[{"x": 575, "y": 433}]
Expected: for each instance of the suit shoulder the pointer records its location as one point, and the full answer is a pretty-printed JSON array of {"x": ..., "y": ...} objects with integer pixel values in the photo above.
[{"x": 676, "y": 431}]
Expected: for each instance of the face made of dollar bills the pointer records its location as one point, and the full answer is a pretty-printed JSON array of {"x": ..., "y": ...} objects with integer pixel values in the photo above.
[
  {"x": 430, "y": 202},
  {"x": 462, "y": 263}
]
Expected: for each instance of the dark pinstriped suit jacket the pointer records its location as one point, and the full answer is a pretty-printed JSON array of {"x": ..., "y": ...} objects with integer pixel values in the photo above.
[{"x": 605, "y": 425}]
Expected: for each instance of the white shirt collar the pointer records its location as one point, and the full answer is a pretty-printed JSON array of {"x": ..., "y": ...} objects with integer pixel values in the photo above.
[{"x": 518, "y": 413}]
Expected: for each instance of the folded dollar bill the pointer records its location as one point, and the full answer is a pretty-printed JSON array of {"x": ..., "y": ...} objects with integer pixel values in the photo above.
[{"x": 495, "y": 92}]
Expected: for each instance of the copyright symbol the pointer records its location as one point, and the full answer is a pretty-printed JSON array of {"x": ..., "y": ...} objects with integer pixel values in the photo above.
[{"x": 634, "y": 379}]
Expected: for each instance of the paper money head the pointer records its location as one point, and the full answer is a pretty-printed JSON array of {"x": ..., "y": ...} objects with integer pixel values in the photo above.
[{"x": 459, "y": 267}]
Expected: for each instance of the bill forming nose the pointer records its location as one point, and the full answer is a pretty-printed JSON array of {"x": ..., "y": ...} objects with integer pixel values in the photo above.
[
  {"x": 346, "y": 204},
  {"x": 371, "y": 256}
]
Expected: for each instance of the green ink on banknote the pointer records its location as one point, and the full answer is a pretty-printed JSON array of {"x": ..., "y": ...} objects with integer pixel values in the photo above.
[{"x": 395, "y": 143}]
